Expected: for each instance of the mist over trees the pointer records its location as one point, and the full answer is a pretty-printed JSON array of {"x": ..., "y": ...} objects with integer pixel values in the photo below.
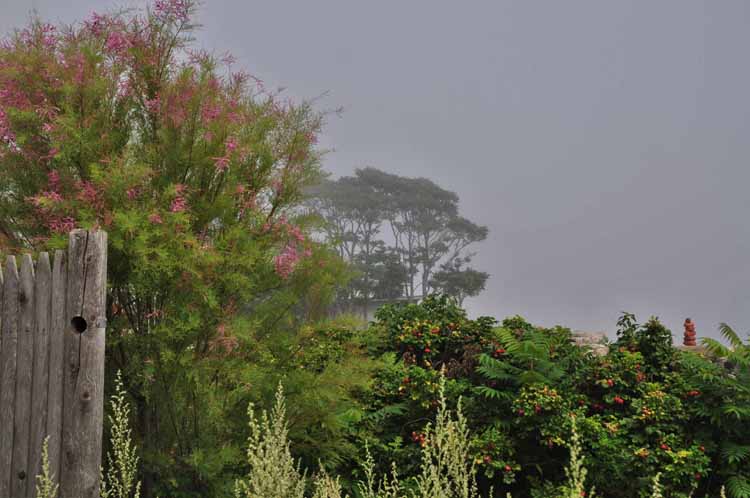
[{"x": 404, "y": 236}]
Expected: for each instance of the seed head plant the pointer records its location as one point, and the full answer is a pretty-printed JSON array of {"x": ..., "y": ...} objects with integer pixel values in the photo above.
[
  {"x": 120, "y": 479},
  {"x": 273, "y": 472}
]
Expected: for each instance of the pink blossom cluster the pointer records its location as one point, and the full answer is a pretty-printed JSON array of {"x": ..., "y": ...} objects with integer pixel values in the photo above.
[
  {"x": 88, "y": 193},
  {"x": 222, "y": 163},
  {"x": 46, "y": 198},
  {"x": 174, "y": 105},
  {"x": 210, "y": 112},
  {"x": 287, "y": 260},
  {"x": 53, "y": 180},
  {"x": 124, "y": 88},
  {"x": 168, "y": 10},
  {"x": 133, "y": 193},
  {"x": 285, "y": 263},
  {"x": 152, "y": 105},
  {"x": 179, "y": 203},
  {"x": 96, "y": 24},
  {"x": 46, "y": 35},
  {"x": 61, "y": 225},
  {"x": 117, "y": 42}
]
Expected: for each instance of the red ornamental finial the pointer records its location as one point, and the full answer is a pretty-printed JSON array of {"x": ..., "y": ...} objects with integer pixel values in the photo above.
[{"x": 689, "y": 339}]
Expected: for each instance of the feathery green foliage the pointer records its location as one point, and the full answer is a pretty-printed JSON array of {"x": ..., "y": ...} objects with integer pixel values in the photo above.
[
  {"x": 273, "y": 472},
  {"x": 46, "y": 486},
  {"x": 120, "y": 479}
]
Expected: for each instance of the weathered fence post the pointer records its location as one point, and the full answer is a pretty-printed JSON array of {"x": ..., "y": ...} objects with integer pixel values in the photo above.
[
  {"x": 83, "y": 381},
  {"x": 52, "y": 324}
]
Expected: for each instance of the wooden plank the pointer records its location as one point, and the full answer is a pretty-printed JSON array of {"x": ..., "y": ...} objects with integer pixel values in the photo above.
[
  {"x": 2, "y": 286},
  {"x": 83, "y": 403},
  {"x": 73, "y": 306},
  {"x": 40, "y": 384},
  {"x": 58, "y": 324},
  {"x": 25, "y": 362},
  {"x": 8, "y": 372}
]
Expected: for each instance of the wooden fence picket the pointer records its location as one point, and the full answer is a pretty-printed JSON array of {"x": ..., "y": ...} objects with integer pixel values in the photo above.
[
  {"x": 40, "y": 387},
  {"x": 58, "y": 324},
  {"x": 8, "y": 372}
]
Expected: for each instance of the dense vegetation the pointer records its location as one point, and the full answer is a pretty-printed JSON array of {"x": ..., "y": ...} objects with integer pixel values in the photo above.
[{"x": 217, "y": 292}]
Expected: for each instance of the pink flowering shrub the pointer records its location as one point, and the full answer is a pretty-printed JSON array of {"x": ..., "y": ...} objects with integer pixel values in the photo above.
[{"x": 119, "y": 123}]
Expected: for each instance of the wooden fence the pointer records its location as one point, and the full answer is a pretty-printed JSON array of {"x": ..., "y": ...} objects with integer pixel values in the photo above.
[{"x": 52, "y": 367}]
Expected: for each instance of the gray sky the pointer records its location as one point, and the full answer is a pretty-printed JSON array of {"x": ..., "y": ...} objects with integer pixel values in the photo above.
[{"x": 604, "y": 143}]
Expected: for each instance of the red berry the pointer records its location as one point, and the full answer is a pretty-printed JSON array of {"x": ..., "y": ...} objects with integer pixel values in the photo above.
[
  {"x": 537, "y": 409},
  {"x": 521, "y": 412},
  {"x": 507, "y": 468},
  {"x": 487, "y": 459},
  {"x": 664, "y": 447},
  {"x": 610, "y": 382},
  {"x": 427, "y": 350}
]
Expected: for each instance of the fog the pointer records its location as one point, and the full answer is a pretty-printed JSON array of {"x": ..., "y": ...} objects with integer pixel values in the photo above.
[{"x": 604, "y": 144}]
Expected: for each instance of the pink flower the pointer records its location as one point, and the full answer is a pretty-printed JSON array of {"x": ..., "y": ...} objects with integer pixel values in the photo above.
[
  {"x": 62, "y": 225},
  {"x": 172, "y": 10},
  {"x": 133, "y": 193},
  {"x": 210, "y": 112},
  {"x": 285, "y": 262},
  {"x": 53, "y": 152},
  {"x": 47, "y": 128},
  {"x": 179, "y": 204},
  {"x": 124, "y": 88},
  {"x": 87, "y": 192},
  {"x": 96, "y": 23},
  {"x": 53, "y": 180},
  {"x": 153, "y": 104},
  {"x": 231, "y": 144},
  {"x": 221, "y": 163},
  {"x": 296, "y": 233},
  {"x": 45, "y": 198},
  {"x": 49, "y": 36},
  {"x": 155, "y": 219},
  {"x": 117, "y": 42}
]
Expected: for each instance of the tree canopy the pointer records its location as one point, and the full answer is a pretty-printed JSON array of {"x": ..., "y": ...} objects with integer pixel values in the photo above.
[{"x": 404, "y": 235}]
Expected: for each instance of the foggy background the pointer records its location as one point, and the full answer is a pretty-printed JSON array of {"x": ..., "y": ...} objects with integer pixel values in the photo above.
[{"x": 604, "y": 144}]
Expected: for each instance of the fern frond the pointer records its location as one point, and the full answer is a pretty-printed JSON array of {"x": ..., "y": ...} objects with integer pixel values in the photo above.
[
  {"x": 735, "y": 453},
  {"x": 738, "y": 487},
  {"x": 730, "y": 335}
]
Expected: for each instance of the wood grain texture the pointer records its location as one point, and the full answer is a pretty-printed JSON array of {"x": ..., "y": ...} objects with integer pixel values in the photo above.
[
  {"x": 40, "y": 383},
  {"x": 83, "y": 403},
  {"x": 8, "y": 372},
  {"x": 20, "y": 476},
  {"x": 58, "y": 324}
]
